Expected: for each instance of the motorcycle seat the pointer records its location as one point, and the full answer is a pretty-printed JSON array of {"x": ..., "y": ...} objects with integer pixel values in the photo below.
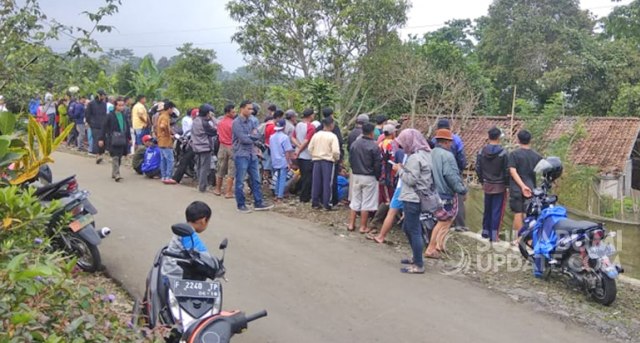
[{"x": 574, "y": 226}]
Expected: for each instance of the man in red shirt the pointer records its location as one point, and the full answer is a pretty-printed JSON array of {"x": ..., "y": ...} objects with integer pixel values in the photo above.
[{"x": 226, "y": 166}]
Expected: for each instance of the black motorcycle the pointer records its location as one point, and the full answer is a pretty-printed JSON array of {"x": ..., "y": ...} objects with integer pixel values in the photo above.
[
  {"x": 184, "y": 157},
  {"x": 80, "y": 237},
  {"x": 578, "y": 249},
  {"x": 189, "y": 299}
]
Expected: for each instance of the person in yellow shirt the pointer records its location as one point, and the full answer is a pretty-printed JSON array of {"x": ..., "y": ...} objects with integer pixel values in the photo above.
[
  {"x": 165, "y": 141},
  {"x": 325, "y": 151},
  {"x": 140, "y": 119}
]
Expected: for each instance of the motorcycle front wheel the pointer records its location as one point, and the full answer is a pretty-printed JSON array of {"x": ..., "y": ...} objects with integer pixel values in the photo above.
[
  {"x": 87, "y": 253},
  {"x": 606, "y": 293}
]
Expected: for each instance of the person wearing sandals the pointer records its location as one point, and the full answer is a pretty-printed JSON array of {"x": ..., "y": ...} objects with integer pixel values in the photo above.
[
  {"x": 446, "y": 177},
  {"x": 415, "y": 174}
]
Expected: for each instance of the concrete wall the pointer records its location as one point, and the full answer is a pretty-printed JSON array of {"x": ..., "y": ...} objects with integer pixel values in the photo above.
[{"x": 611, "y": 186}]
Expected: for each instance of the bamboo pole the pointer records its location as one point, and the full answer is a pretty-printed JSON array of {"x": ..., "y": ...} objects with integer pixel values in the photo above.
[{"x": 513, "y": 110}]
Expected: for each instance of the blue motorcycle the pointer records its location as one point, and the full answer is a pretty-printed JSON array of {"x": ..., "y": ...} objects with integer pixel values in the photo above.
[{"x": 554, "y": 243}]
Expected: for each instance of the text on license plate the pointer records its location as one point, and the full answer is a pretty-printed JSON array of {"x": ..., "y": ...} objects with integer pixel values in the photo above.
[{"x": 195, "y": 289}]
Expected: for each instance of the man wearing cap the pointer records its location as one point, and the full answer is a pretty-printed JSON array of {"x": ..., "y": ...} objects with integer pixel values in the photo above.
[
  {"x": 357, "y": 130},
  {"x": 304, "y": 132},
  {"x": 96, "y": 116},
  {"x": 448, "y": 182},
  {"x": 364, "y": 158},
  {"x": 152, "y": 158},
  {"x": 281, "y": 149},
  {"x": 165, "y": 141},
  {"x": 245, "y": 134},
  {"x": 325, "y": 153},
  {"x": 327, "y": 112},
  {"x": 226, "y": 166},
  {"x": 457, "y": 149},
  {"x": 140, "y": 119},
  {"x": 202, "y": 134}
]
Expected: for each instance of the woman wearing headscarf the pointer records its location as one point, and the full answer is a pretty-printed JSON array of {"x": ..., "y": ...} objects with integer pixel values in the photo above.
[{"x": 415, "y": 175}]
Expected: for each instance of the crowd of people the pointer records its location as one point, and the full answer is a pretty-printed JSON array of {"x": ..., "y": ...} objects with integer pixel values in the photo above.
[{"x": 385, "y": 176}]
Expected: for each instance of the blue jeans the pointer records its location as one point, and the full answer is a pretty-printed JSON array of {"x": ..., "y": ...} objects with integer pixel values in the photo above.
[
  {"x": 244, "y": 165},
  {"x": 140, "y": 133},
  {"x": 166, "y": 163},
  {"x": 281, "y": 181},
  {"x": 90, "y": 140},
  {"x": 413, "y": 229}
]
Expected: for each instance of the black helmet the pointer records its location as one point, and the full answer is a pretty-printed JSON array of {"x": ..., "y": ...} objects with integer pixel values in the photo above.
[{"x": 550, "y": 168}]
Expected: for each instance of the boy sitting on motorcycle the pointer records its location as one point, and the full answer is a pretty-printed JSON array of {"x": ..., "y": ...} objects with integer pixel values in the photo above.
[{"x": 198, "y": 215}]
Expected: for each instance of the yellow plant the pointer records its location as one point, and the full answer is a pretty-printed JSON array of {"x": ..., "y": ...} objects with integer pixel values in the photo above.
[{"x": 40, "y": 145}]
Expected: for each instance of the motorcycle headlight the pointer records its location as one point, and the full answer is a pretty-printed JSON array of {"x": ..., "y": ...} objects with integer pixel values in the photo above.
[{"x": 179, "y": 316}]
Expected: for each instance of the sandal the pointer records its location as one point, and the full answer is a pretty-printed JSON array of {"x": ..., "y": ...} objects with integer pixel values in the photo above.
[
  {"x": 412, "y": 269},
  {"x": 434, "y": 256},
  {"x": 367, "y": 230},
  {"x": 372, "y": 237},
  {"x": 406, "y": 261}
]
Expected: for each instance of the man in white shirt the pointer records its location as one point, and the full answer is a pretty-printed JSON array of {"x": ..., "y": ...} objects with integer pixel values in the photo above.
[{"x": 187, "y": 122}]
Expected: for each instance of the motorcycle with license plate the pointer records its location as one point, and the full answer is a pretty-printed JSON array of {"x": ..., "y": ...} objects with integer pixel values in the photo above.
[
  {"x": 188, "y": 299},
  {"x": 80, "y": 237},
  {"x": 575, "y": 249}
]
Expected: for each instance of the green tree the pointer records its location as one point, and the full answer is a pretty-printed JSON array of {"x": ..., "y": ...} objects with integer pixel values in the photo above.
[
  {"x": 319, "y": 93},
  {"x": 147, "y": 80},
  {"x": 124, "y": 74},
  {"x": 521, "y": 41},
  {"x": 309, "y": 38},
  {"x": 192, "y": 80}
]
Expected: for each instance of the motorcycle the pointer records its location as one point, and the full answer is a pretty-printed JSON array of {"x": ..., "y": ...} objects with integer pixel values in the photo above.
[
  {"x": 183, "y": 155},
  {"x": 80, "y": 237},
  {"x": 577, "y": 249},
  {"x": 189, "y": 299}
]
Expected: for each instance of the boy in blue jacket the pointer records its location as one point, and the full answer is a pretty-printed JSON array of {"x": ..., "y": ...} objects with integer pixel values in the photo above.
[{"x": 151, "y": 163}]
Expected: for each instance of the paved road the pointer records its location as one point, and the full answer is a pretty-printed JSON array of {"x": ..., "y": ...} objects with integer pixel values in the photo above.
[{"x": 317, "y": 287}]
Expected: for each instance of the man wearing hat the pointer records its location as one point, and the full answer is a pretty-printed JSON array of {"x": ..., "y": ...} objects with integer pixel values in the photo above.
[
  {"x": 281, "y": 149},
  {"x": 448, "y": 182},
  {"x": 151, "y": 163},
  {"x": 457, "y": 149},
  {"x": 304, "y": 132},
  {"x": 388, "y": 148},
  {"x": 357, "y": 131},
  {"x": 96, "y": 116}
]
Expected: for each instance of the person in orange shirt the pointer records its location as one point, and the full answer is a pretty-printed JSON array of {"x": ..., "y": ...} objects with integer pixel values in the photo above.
[{"x": 165, "y": 142}]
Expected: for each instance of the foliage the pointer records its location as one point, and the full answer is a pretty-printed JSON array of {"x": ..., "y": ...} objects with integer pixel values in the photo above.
[
  {"x": 287, "y": 97},
  {"x": 522, "y": 41},
  {"x": 538, "y": 124},
  {"x": 319, "y": 93},
  {"x": 193, "y": 77},
  {"x": 37, "y": 152},
  {"x": 123, "y": 76},
  {"x": 147, "y": 80},
  {"x": 311, "y": 39},
  {"x": 628, "y": 101}
]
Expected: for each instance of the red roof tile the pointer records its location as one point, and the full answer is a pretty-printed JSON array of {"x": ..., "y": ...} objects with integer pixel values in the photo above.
[{"x": 607, "y": 142}]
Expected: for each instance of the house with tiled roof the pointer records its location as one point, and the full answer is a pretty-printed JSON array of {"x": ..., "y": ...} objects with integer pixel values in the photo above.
[{"x": 609, "y": 144}]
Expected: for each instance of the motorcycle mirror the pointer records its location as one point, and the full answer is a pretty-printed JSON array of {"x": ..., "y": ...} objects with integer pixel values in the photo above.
[
  {"x": 224, "y": 243},
  {"x": 182, "y": 229}
]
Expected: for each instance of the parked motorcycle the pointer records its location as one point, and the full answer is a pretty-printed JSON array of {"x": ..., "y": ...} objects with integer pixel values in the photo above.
[
  {"x": 189, "y": 298},
  {"x": 184, "y": 156},
  {"x": 577, "y": 249},
  {"x": 80, "y": 237}
]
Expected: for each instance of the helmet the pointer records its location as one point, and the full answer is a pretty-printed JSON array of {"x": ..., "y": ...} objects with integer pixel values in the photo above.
[{"x": 550, "y": 168}]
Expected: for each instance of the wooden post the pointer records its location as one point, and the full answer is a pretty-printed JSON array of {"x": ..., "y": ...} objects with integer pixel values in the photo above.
[{"x": 513, "y": 110}]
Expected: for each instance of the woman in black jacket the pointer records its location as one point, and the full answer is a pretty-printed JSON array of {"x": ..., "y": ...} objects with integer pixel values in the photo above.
[{"x": 116, "y": 133}]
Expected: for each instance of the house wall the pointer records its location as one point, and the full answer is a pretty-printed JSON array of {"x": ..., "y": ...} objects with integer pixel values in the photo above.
[
  {"x": 611, "y": 186},
  {"x": 628, "y": 177}
]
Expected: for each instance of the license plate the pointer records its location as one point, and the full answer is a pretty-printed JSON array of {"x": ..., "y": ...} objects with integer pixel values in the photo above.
[
  {"x": 81, "y": 222},
  {"x": 195, "y": 289}
]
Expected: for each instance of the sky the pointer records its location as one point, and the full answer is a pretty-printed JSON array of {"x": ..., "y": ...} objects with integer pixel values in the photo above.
[{"x": 160, "y": 26}]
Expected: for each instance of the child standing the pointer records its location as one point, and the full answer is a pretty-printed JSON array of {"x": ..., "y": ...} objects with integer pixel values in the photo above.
[{"x": 281, "y": 149}]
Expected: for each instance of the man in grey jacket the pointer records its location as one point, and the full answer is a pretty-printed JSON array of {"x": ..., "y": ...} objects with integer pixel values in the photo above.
[
  {"x": 202, "y": 133},
  {"x": 446, "y": 177}
]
